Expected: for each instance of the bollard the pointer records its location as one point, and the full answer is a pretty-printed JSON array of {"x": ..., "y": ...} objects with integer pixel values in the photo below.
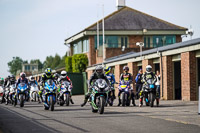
[{"x": 199, "y": 100}]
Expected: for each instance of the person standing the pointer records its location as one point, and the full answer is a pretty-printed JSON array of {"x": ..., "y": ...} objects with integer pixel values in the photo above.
[
  {"x": 138, "y": 83},
  {"x": 157, "y": 85}
]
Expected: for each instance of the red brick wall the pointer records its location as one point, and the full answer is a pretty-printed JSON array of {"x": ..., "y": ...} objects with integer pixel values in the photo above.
[
  {"x": 147, "y": 62},
  {"x": 167, "y": 78},
  {"x": 133, "y": 69},
  {"x": 188, "y": 76},
  {"x": 111, "y": 52},
  {"x": 178, "y": 38},
  {"x": 89, "y": 73},
  {"x": 133, "y": 40},
  {"x": 92, "y": 52},
  {"x": 99, "y": 59}
]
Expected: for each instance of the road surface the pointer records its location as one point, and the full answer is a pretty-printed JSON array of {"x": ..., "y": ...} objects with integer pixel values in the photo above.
[{"x": 170, "y": 117}]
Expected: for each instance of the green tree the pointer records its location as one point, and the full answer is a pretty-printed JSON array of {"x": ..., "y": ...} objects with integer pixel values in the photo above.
[
  {"x": 48, "y": 62},
  {"x": 37, "y": 61},
  {"x": 68, "y": 64},
  {"x": 62, "y": 62},
  {"x": 56, "y": 61},
  {"x": 15, "y": 65},
  {"x": 79, "y": 63}
]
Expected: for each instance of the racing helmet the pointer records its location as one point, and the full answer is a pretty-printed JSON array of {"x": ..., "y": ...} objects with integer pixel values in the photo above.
[{"x": 148, "y": 68}]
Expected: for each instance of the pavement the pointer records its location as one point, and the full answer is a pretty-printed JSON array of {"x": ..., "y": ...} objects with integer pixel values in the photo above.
[{"x": 170, "y": 117}]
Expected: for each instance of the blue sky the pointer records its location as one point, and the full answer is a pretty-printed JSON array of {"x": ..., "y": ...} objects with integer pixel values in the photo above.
[{"x": 34, "y": 29}]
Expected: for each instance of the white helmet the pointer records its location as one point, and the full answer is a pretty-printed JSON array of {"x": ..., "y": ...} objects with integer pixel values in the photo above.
[
  {"x": 63, "y": 74},
  {"x": 148, "y": 68}
]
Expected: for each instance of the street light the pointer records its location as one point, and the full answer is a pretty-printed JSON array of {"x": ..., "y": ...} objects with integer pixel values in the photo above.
[{"x": 140, "y": 44}]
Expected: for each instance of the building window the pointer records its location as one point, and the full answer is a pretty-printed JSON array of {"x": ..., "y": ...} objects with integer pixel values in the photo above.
[
  {"x": 75, "y": 49},
  {"x": 85, "y": 45},
  {"x": 27, "y": 68},
  {"x": 158, "y": 41},
  {"x": 112, "y": 41}
]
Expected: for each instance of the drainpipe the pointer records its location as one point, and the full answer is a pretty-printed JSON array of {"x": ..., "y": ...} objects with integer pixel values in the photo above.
[{"x": 161, "y": 71}]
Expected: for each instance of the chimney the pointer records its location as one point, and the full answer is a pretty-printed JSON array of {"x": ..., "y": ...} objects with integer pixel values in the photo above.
[{"x": 120, "y": 4}]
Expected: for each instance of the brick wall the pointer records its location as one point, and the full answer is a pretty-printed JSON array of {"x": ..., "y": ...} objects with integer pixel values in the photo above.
[
  {"x": 111, "y": 52},
  {"x": 92, "y": 52},
  {"x": 147, "y": 62},
  {"x": 178, "y": 38},
  {"x": 188, "y": 76},
  {"x": 167, "y": 78},
  {"x": 133, "y": 69},
  {"x": 133, "y": 40}
]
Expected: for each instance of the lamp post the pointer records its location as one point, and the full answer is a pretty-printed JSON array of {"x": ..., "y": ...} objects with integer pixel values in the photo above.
[{"x": 140, "y": 44}]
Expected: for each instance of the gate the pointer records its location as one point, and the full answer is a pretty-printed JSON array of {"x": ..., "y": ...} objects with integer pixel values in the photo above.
[{"x": 79, "y": 81}]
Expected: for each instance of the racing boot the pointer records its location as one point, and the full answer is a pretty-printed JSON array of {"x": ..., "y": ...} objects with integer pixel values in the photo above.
[
  {"x": 71, "y": 101},
  {"x": 85, "y": 101},
  {"x": 141, "y": 103}
]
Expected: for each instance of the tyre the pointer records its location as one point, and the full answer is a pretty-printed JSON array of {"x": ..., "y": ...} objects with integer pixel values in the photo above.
[
  {"x": 151, "y": 99},
  {"x": 21, "y": 99},
  {"x": 66, "y": 99},
  {"x": 157, "y": 102},
  {"x": 15, "y": 101},
  {"x": 34, "y": 96},
  {"x": 51, "y": 103},
  {"x": 123, "y": 99},
  {"x": 101, "y": 104}
]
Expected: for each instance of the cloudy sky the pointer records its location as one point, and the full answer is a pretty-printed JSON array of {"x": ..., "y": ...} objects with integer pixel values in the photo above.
[{"x": 34, "y": 29}]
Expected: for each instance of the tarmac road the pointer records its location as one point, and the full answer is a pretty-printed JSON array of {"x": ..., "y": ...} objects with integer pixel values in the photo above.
[{"x": 170, "y": 117}]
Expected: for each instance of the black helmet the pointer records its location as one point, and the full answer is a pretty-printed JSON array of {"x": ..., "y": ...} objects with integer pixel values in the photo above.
[
  {"x": 99, "y": 70},
  {"x": 12, "y": 77},
  {"x": 22, "y": 75},
  {"x": 126, "y": 68},
  {"x": 56, "y": 75}
]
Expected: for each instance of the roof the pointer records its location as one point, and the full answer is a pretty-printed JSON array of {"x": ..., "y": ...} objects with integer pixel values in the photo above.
[
  {"x": 130, "y": 19},
  {"x": 160, "y": 49}
]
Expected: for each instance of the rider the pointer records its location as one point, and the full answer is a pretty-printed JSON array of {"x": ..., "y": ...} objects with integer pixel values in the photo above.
[
  {"x": 33, "y": 81},
  {"x": 6, "y": 81},
  {"x": 147, "y": 75},
  {"x": 127, "y": 77},
  {"x": 56, "y": 77},
  {"x": 47, "y": 75},
  {"x": 11, "y": 81},
  {"x": 98, "y": 74},
  {"x": 62, "y": 78},
  {"x": 22, "y": 79},
  {"x": 111, "y": 78}
]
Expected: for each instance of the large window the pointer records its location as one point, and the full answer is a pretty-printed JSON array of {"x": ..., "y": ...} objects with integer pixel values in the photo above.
[
  {"x": 112, "y": 41},
  {"x": 158, "y": 41}
]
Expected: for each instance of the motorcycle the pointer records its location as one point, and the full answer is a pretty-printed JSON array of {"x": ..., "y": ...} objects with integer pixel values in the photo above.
[
  {"x": 34, "y": 92},
  {"x": 12, "y": 93},
  {"x": 1, "y": 94},
  {"x": 50, "y": 92},
  {"x": 98, "y": 96},
  {"x": 110, "y": 97},
  {"x": 22, "y": 94},
  {"x": 125, "y": 94},
  {"x": 150, "y": 93},
  {"x": 64, "y": 95}
]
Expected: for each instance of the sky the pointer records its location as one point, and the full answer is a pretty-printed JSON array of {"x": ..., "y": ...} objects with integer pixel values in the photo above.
[{"x": 35, "y": 29}]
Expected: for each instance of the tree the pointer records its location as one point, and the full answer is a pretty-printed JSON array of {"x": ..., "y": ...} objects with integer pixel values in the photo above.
[
  {"x": 48, "y": 62},
  {"x": 37, "y": 61},
  {"x": 79, "y": 63},
  {"x": 68, "y": 64},
  {"x": 56, "y": 61},
  {"x": 15, "y": 65}
]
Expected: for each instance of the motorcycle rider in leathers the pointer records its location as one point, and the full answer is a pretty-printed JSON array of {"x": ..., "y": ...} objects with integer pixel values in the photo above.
[
  {"x": 147, "y": 75},
  {"x": 127, "y": 77},
  {"x": 98, "y": 74}
]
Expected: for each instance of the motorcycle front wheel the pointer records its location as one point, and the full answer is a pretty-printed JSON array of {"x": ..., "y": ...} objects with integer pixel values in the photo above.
[
  {"x": 151, "y": 99},
  {"x": 51, "y": 103},
  {"x": 101, "y": 104},
  {"x": 21, "y": 99}
]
